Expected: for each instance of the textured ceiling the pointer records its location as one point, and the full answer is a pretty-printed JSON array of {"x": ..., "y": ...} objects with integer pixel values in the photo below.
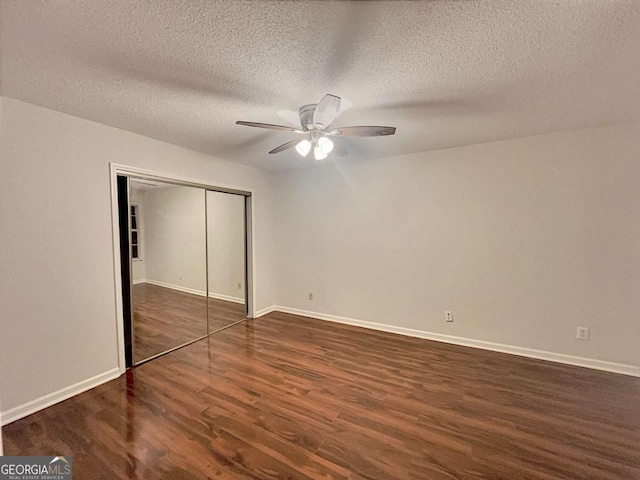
[{"x": 444, "y": 73}]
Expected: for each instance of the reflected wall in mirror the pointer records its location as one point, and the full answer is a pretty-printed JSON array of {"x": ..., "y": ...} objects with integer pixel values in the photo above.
[
  {"x": 167, "y": 235},
  {"x": 226, "y": 252}
]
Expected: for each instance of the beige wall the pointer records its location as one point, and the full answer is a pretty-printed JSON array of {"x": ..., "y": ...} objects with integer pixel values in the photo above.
[
  {"x": 57, "y": 296},
  {"x": 174, "y": 237},
  {"x": 171, "y": 220},
  {"x": 225, "y": 216},
  {"x": 523, "y": 240}
]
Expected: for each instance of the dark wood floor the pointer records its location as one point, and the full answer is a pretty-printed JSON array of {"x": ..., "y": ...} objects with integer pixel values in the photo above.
[
  {"x": 164, "y": 318},
  {"x": 294, "y": 398}
]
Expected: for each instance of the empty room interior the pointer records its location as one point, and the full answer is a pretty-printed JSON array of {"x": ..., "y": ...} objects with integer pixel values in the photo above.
[{"x": 321, "y": 239}]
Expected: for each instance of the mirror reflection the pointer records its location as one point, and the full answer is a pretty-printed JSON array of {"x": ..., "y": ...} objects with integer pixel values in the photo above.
[
  {"x": 226, "y": 253},
  {"x": 168, "y": 248}
]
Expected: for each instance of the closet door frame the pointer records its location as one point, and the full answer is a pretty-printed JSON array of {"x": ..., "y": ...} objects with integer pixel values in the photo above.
[{"x": 143, "y": 174}]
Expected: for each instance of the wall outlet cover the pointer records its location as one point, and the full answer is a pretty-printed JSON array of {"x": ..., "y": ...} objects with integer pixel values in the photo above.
[{"x": 582, "y": 333}]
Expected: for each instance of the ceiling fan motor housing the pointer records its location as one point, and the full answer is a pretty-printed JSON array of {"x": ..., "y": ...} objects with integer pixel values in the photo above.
[{"x": 306, "y": 115}]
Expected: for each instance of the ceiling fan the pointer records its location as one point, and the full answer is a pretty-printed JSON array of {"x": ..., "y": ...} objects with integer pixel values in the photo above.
[{"x": 315, "y": 123}]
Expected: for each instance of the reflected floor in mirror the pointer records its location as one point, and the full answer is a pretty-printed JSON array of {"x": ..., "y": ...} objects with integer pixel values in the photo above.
[
  {"x": 295, "y": 398},
  {"x": 164, "y": 318}
]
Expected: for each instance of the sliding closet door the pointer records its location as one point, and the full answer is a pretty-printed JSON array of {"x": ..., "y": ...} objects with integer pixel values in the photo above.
[
  {"x": 227, "y": 259},
  {"x": 168, "y": 250}
]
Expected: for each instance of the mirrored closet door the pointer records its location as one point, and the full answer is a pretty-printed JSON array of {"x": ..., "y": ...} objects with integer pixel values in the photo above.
[
  {"x": 168, "y": 266},
  {"x": 183, "y": 257},
  {"x": 226, "y": 259}
]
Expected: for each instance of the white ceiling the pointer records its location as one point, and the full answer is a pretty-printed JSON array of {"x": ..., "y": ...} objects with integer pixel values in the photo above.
[{"x": 444, "y": 73}]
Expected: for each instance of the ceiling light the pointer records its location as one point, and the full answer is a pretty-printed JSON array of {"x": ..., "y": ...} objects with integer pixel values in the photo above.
[
  {"x": 314, "y": 121},
  {"x": 325, "y": 145},
  {"x": 303, "y": 147},
  {"x": 318, "y": 154}
]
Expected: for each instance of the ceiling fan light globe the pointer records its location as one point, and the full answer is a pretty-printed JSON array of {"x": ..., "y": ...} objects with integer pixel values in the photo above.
[
  {"x": 303, "y": 147},
  {"x": 325, "y": 145},
  {"x": 318, "y": 154}
]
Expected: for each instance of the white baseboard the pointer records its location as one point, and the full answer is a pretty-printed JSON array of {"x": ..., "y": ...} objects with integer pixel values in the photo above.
[
  {"x": 624, "y": 369},
  {"x": 264, "y": 311},
  {"x": 45, "y": 401},
  {"x": 226, "y": 298},
  {"x": 179, "y": 288},
  {"x": 193, "y": 291},
  {"x": 137, "y": 282}
]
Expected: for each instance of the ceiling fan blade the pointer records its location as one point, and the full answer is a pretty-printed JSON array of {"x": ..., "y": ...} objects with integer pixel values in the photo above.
[
  {"x": 339, "y": 149},
  {"x": 269, "y": 126},
  {"x": 285, "y": 146},
  {"x": 327, "y": 110},
  {"x": 368, "y": 131},
  {"x": 291, "y": 116}
]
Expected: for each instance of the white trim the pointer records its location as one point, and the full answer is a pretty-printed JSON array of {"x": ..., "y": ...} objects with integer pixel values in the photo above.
[
  {"x": 250, "y": 254},
  {"x": 117, "y": 277},
  {"x": 45, "y": 401},
  {"x": 120, "y": 169},
  {"x": 137, "y": 282},
  {"x": 193, "y": 291},
  {"x": 200, "y": 293},
  {"x": 264, "y": 311},
  {"x": 226, "y": 298},
  {"x": 595, "y": 364}
]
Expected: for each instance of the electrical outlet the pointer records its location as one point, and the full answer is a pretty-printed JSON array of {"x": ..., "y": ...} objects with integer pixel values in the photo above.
[
  {"x": 448, "y": 316},
  {"x": 239, "y": 286},
  {"x": 582, "y": 333},
  {"x": 180, "y": 276},
  {"x": 311, "y": 296}
]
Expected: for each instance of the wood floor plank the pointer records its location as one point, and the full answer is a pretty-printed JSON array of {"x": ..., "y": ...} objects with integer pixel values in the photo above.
[
  {"x": 164, "y": 318},
  {"x": 288, "y": 397}
]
